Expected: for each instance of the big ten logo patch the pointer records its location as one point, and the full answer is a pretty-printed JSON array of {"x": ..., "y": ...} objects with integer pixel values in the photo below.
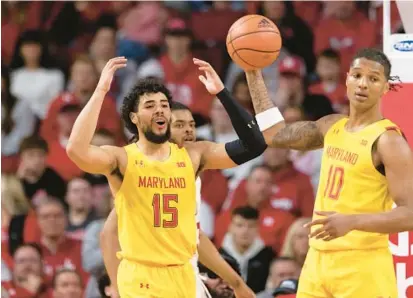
[{"x": 181, "y": 164}]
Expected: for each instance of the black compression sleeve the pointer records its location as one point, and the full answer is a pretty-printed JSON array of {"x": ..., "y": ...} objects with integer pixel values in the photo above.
[{"x": 251, "y": 142}]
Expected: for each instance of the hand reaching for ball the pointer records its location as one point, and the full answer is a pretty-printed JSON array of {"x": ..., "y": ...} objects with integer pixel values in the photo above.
[{"x": 211, "y": 80}]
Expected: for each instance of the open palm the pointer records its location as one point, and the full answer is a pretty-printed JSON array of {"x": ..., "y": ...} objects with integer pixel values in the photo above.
[
  {"x": 210, "y": 79},
  {"x": 108, "y": 72}
]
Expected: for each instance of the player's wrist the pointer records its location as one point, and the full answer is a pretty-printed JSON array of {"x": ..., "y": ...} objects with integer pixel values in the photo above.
[{"x": 269, "y": 118}]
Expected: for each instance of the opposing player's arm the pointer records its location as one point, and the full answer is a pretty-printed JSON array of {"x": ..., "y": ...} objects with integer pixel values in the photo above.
[
  {"x": 301, "y": 135},
  {"x": 109, "y": 245},
  {"x": 397, "y": 158},
  {"x": 90, "y": 158},
  {"x": 210, "y": 257}
]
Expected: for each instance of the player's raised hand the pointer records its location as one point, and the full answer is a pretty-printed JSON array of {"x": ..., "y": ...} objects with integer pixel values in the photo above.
[
  {"x": 333, "y": 225},
  {"x": 211, "y": 80},
  {"x": 108, "y": 72}
]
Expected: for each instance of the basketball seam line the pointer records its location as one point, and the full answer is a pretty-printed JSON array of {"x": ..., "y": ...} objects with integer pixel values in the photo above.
[
  {"x": 235, "y": 51},
  {"x": 266, "y": 31},
  {"x": 260, "y": 51}
]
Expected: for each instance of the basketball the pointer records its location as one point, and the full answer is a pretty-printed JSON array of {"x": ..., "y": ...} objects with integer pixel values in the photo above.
[{"x": 253, "y": 42}]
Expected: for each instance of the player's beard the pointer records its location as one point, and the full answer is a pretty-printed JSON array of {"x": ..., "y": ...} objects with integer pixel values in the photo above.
[{"x": 155, "y": 138}]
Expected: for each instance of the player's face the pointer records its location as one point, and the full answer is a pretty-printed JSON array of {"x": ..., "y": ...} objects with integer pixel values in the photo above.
[
  {"x": 182, "y": 127},
  {"x": 366, "y": 84},
  {"x": 153, "y": 118},
  {"x": 244, "y": 231}
]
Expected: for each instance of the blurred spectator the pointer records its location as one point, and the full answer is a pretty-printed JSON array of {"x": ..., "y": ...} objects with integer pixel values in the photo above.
[
  {"x": 282, "y": 268},
  {"x": 244, "y": 244},
  {"x": 345, "y": 30},
  {"x": 287, "y": 289},
  {"x": 83, "y": 81},
  {"x": 13, "y": 203},
  {"x": 180, "y": 73},
  {"x": 296, "y": 34},
  {"x": 143, "y": 22},
  {"x": 27, "y": 280},
  {"x": 215, "y": 285},
  {"x": 292, "y": 90},
  {"x": 92, "y": 258},
  {"x": 99, "y": 183},
  {"x": 296, "y": 241},
  {"x": 241, "y": 92},
  {"x": 17, "y": 119},
  {"x": 292, "y": 190},
  {"x": 57, "y": 158},
  {"x": 80, "y": 213},
  {"x": 59, "y": 251},
  {"x": 307, "y": 162},
  {"x": 222, "y": 132},
  {"x": 67, "y": 283},
  {"x": 33, "y": 80},
  {"x": 103, "y": 47},
  {"x": 256, "y": 192},
  {"x": 330, "y": 83},
  {"x": 36, "y": 177},
  {"x": 270, "y": 74}
]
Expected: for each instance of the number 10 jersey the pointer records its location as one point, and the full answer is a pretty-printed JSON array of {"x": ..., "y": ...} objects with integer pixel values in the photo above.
[
  {"x": 350, "y": 183},
  {"x": 156, "y": 209}
]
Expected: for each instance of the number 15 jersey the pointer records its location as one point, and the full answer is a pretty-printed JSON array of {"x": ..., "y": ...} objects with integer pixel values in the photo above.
[
  {"x": 350, "y": 183},
  {"x": 156, "y": 209}
]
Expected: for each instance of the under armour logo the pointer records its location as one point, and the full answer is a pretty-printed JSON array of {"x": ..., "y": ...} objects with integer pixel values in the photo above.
[
  {"x": 336, "y": 131},
  {"x": 142, "y": 285},
  {"x": 363, "y": 142},
  {"x": 139, "y": 163}
]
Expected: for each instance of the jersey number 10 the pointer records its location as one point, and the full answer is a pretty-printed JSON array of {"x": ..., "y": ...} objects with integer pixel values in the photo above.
[
  {"x": 335, "y": 182},
  {"x": 164, "y": 209}
]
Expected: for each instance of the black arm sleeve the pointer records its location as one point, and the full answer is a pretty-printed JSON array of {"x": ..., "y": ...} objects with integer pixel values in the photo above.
[{"x": 251, "y": 142}]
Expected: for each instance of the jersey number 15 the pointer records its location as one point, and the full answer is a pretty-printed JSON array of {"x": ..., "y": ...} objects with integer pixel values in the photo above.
[
  {"x": 335, "y": 182},
  {"x": 164, "y": 209}
]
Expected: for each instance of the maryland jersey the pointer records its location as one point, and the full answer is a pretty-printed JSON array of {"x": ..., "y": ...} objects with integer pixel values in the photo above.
[
  {"x": 350, "y": 183},
  {"x": 156, "y": 209}
]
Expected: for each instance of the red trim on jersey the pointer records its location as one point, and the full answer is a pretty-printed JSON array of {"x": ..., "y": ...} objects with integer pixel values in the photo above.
[{"x": 198, "y": 225}]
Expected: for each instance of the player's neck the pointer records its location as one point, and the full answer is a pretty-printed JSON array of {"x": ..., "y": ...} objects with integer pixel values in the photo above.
[
  {"x": 360, "y": 119},
  {"x": 156, "y": 151}
]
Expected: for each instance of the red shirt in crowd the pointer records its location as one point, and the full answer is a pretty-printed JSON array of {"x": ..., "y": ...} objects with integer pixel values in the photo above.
[
  {"x": 58, "y": 160},
  {"x": 346, "y": 37},
  {"x": 214, "y": 188},
  {"x": 68, "y": 255},
  {"x": 336, "y": 95},
  {"x": 108, "y": 118},
  {"x": 19, "y": 292},
  {"x": 292, "y": 192},
  {"x": 183, "y": 82},
  {"x": 273, "y": 226}
]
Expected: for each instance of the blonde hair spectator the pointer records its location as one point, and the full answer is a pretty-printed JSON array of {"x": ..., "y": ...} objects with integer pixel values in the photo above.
[{"x": 296, "y": 241}]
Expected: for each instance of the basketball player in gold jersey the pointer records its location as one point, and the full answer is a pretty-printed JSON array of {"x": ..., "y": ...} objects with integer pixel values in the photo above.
[
  {"x": 366, "y": 166},
  {"x": 153, "y": 181}
]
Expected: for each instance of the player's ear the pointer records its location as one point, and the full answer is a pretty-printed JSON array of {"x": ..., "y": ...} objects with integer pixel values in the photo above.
[
  {"x": 386, "y": 88},
  {"x": 347, "y": 76},
  {"x": 133, "y": 117}
]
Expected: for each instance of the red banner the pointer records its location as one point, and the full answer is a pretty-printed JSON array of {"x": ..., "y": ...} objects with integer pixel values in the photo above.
[{"x": 398, "y": 107}]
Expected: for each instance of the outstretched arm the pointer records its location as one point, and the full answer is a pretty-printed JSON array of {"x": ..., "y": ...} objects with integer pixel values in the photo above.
[
  {"x": 397, "y": 158},
  {"x": 210, "y": 257},
  {"x": 301, "y": 135},
  {"x": 251, "y": 143},
  {"x": 90, "y": 158},
  {"x": 109, "y": 245}
]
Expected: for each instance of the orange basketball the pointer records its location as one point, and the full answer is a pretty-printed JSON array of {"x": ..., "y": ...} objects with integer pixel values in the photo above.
[{"x": 253, "y": 42}]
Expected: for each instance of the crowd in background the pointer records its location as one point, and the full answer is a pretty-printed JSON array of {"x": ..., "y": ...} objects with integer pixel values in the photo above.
[{"x": 52, "y": 55}]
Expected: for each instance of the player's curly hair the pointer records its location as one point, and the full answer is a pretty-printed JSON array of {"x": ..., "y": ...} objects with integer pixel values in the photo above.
[
  {"x": 380, "y": 57},
  {"x": 131, "y": 100}
]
